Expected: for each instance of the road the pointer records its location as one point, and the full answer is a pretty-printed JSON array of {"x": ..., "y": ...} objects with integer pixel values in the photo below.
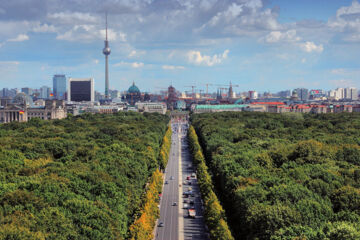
[{"x": 176, "y": 223}]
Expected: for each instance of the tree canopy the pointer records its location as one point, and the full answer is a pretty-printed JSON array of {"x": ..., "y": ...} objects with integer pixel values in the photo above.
[
  {"x": 285, "y": 176},
  {"x": 78, "y": 178}
]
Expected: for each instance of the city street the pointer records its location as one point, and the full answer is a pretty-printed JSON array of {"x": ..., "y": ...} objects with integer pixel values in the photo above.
[{"x": 174, "y": 222}]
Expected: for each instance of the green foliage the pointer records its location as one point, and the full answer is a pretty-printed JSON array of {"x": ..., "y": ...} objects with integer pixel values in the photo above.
[
  {"x": 143, "y": 227},
  {"x": 284, "y": 176},
  {"x": 214, "y": 213},
  {"x": 77, "y": 178},
  {"x": 165, "y": 148}
]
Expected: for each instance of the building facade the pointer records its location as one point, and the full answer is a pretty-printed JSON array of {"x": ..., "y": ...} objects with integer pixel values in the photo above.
[
  {"x": 53, "y": 109},
  {"x": 133, "y": 95},
  {"x": 303, "y": 94},
  {"x": 45, "y": 92},
  {"x": 59, "y": 86},
  {"x": 81, "y": 90}
]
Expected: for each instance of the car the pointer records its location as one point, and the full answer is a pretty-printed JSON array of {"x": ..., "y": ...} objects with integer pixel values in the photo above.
[
  {"x": 174, "y": 204},
  {"x": 186, "y": 206},
  {"x": 192, "y": 201},
  {"x": 161, "y": 224},
  {"x": 186, "y": 201},
  {"x": 188, "y": 178},
  {"x": 166, "y": 182},
  {"x": 172, "y": 178}
]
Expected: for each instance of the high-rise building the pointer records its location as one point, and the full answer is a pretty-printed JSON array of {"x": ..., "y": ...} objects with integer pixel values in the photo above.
[
  {"x": 350, "y": 93},
  {"x": 81, "y": 89},
  {"x": 106, "y": 52},
  {"x": 27, "y": 91},
  {"x": 114, "y": 94},
  {"x": 303, "y": 94},
  {"x": 59, "y": 86},
  {"x": 45, "y": 92},
  {"x": 253, "y": 95},
  {"x": 284, "y": 94}
]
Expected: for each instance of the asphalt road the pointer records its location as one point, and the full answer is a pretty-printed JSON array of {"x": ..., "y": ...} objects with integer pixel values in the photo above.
[
  {"x": 169, "y": 214},
  {"x": 194, "y": 228},
  {"x": 177, "y": 224}
]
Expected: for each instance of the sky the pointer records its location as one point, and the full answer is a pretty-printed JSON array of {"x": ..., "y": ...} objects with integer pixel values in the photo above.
[{"x": 262, "y": 45}]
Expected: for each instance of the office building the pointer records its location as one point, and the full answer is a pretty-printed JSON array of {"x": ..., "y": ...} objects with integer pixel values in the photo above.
[
  {"x": 284, "y": 94},
  {"x": 253, "y": 95},
  {"x": 45, "y": 92},
  {"x": 350, "y": 93},
  {"x": 27, "y": 91},
  {"x": 5, "y": 92},
  {"x": 59, "y": 86},
  {"x": 114, "y": 94},
  {"x": 302, "y": 93},
  {"x": 81, "y": 89}
]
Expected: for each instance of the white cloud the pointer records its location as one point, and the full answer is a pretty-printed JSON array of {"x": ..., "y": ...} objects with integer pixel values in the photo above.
[
  {"x": 88, "y": 33},
  {"x": 195, "y": 57},
  {"x": 129, "y": 64},
  {"x": 6, "y": 66},
  {"x": 135, "y": 53},
  {"x": 171, "y": 67},
  {"x": 247, "y": 18},
  {"x": 303, "y": 60},
  {"x": 311, "y": 47},
  {"x": 44, "y": 28},
  {"x": 277, "y": 36},
  {"x": 342, "y": 82},
  {"x": 338, "y": 71},
  {"x": 96, "y": 61},
  {"x": 137, "y": 64},
  {"x": 347, "y": 21},
  {"x": 3, "y": 63},
  {"x": 19, "y": 38},
  {"x": 73, "y": 18}
]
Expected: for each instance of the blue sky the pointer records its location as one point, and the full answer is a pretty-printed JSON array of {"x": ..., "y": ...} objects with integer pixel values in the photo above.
[{"x": 263, "y": 45}]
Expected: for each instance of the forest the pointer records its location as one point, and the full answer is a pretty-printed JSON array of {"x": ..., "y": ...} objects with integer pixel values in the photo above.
[
  {"x": 285, "y": 176},
  {"x": 82, "y": 177}
]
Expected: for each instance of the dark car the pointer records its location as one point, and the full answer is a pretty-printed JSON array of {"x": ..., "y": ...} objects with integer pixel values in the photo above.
[{"x": 161, "y": 224}]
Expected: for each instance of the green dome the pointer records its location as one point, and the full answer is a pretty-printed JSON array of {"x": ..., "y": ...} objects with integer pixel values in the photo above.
[{"x": 133, "y": 89}]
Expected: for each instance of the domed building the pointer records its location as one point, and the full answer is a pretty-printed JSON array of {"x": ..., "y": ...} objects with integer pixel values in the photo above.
[
  {"x": 294, "y": 96},
  {"x": 22, "y": 99},
  {"x": 133, "y": 94}
]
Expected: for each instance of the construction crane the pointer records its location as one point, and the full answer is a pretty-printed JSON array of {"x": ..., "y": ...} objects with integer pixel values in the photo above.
[
  {"x": 201, "y": 91},
  {"x": 192, "y": 89},
  {"x": 207, "y": 87},
  {"x": 227, "y": 85}
]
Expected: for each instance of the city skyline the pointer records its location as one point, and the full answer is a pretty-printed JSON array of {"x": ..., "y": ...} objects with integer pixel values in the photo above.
[{"x": 260, "y": 45}]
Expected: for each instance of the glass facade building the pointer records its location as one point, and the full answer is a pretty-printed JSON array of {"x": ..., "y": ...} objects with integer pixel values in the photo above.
[{"x": 59, "y": 86}]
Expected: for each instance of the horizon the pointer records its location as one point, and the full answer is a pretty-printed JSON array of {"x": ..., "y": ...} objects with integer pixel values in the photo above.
[{"x": 262, "y": 45}]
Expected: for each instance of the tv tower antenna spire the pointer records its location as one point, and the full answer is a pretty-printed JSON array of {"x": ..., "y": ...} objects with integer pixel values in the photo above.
[{"x": 106, "y": 52}]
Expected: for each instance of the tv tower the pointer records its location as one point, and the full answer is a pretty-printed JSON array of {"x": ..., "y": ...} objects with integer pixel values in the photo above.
[{"x": 106, "y": 52}]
